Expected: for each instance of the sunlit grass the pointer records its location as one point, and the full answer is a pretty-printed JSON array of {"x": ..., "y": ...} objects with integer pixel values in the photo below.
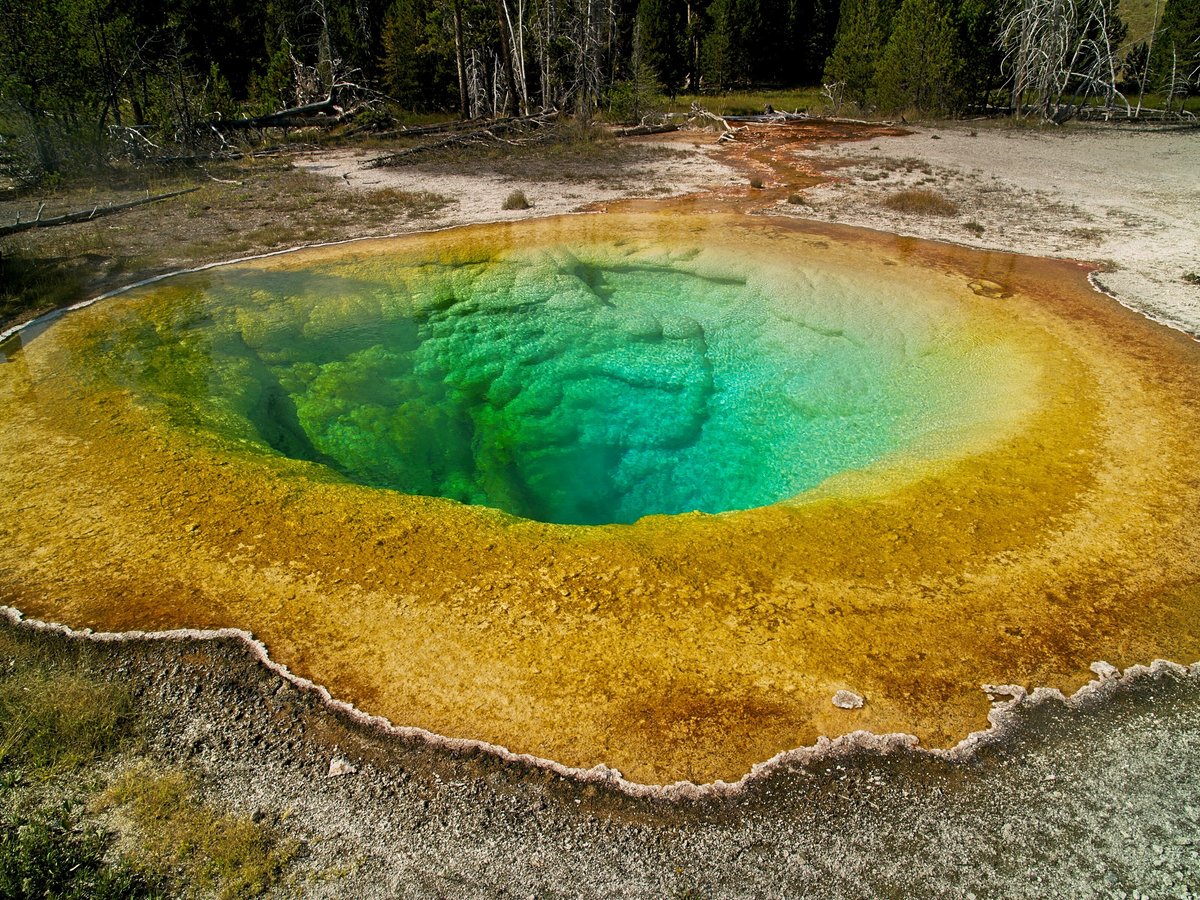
[
  {"x": 55, "y": 721},
  {"x": 210, "y": 851},
  {"x": 749, "y": 103}
]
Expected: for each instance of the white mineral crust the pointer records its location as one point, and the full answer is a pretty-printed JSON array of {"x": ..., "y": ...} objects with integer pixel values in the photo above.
[{"x": 847, "y": 700}]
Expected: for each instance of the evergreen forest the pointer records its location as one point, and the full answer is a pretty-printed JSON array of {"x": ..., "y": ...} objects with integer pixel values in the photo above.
[{"x": 79, "y": 78}]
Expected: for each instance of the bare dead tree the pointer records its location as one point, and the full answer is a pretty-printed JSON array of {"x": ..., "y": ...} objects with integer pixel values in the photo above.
[
  {"x": 835, "y": 95},
  {"x": 545, "y": 31},
  {"x": 1149, "y": 53},
  {"x": 1058, "y": 55},
  {"x": 516, "y": 43},
  {"x": 460, "y": 65},
  {"x": 510, "y": 97},
  {"x": 586, "y": 39},
  {"x": 476, "y": 87}
]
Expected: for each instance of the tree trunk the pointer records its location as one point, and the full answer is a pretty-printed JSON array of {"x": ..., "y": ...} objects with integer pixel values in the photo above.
[
  {"x": 510, "y": 104},
  {"x": 464, "y": 110},
  {"x": 85, "y": 215}
]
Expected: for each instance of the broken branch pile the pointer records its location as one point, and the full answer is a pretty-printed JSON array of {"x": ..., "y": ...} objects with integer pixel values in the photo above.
[{"x": 491, "y": 134}]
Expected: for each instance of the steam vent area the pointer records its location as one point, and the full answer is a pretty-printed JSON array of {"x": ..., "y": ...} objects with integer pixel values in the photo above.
[{"x": 645, "y": 489}]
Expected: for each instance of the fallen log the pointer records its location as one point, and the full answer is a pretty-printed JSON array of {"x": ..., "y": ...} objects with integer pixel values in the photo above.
[
  {"x": 84, "y": 215},
  {"x": 230, "y": 155},
  {"x": 323, "y": 112},
  {"x": 699, "y": 112},
  {"x": 500, "y": 126},
  {"x": 440, "y": 128},
  {"x": 639, "y": 130}
]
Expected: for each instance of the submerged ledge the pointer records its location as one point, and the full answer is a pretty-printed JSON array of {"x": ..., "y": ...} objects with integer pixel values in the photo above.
[{"x": 1003, "y": 718}]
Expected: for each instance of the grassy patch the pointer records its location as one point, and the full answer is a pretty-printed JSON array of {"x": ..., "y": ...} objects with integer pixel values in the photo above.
[
  {"x": 1192, "y": 278},
  {"x": 29, "y": 284},
  {"x": 1139, "y": 16},
  {"x": 974, "y": 227},
  {"x": 920, "y": 203},
  {"x": 516, "y": 200},
  {"x": 258, "y": 206},
  {"x": 205, "y": 849},
  {"x": 751, "y": 103},
  {"x": 49, "y": 852},
  {"x": 55, "y": 721},
  {"x": 413, "y": 204}
]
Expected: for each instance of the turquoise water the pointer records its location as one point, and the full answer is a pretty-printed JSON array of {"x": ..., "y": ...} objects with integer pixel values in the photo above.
[{"x": 590, "y": 386}]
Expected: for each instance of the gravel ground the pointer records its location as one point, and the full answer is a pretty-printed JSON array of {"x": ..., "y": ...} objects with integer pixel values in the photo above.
[{"x": 1091, "y": 798}]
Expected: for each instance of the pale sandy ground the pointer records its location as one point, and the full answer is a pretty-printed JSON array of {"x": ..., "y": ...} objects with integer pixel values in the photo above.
[
  {"x": 1127, "y": 199},
  {"x": 479, "y": 196}
]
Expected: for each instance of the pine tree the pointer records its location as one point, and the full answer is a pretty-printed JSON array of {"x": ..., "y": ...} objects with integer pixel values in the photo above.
[
  {"x": 863, "y": 31},
  {"x": 978, "y": 24},
  {"x": 662, "y": 27},
  {"x": 1175, "y": 63},
  {"x": 920, "y": 67},
  {"x": 810, "y": 33},
  {"x": 416, "y": 67}
]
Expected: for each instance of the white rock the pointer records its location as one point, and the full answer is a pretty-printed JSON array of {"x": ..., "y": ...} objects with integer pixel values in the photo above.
[
  {"x": 847, "y": 700},
  {"x": 1105, "y": 670},
  {"x": 1015, "y": 691},
  {"x": 339, "y": 765}
]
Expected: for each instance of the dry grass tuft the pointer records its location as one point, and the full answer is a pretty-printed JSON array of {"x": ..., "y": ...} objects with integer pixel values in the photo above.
[
  {"x": 414, "y": 204},
  {"x": 516, "y": 200},
  {"x": 920, "y": 203}
]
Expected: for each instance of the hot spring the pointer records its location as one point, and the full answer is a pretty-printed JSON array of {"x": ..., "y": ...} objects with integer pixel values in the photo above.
[
  {"x": 644, "y": 490},
  {"x": 581, "y": 383}
]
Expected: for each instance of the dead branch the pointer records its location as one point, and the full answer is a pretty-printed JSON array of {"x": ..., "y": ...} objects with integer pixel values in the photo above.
[
  {"x": 324, "y": 112},
  {"x": 84, "y": 215},
  {"x": 230, "y": 155},
  {"x": 482, "y": 135},
  {"x": 419, "y": 130},
  {"x": 639, "y": 130},
  {"x": 699, "y": 112}
]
